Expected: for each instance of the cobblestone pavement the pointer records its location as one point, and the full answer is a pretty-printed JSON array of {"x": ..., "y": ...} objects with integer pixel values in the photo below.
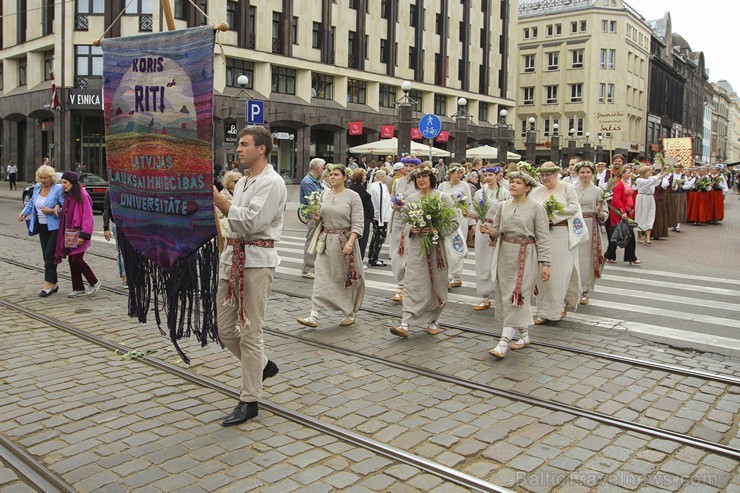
[{"x": 96, "y": 419}]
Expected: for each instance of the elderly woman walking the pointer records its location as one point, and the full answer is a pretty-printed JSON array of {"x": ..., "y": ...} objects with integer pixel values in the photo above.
[
  {"x": 520, "y": 227},
  {"x": 339, "y": 282},
  {"x": 561, "y": 202}
]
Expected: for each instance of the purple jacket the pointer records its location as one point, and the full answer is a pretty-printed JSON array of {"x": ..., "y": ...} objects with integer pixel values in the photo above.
[{"x": 75, "y": 214}]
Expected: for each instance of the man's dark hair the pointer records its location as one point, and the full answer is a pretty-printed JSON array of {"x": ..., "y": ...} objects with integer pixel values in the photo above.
[{"x": 261, "y": 137}]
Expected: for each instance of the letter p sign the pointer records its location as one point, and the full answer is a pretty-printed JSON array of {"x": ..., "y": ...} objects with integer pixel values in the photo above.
[{"x": 255, "y": 112}]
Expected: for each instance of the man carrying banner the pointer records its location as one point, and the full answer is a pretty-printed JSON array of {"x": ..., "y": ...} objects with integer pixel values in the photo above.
[{"x": 248, "y": 264}]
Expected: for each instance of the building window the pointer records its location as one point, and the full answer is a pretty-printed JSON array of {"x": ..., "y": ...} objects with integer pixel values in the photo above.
[
  {"x": 524, "y": 127},
  {"x": 352, "y": 4},
  {"x": 440, "y": 104},
  {"x": 136, "y": 7},
  {"x": 383, "y": 51},
  {"x": 88, "y": 61},
  {"x": 612, "y": 56},
  {"x": 552, "y": 94},
  {"x": 356, "y": 90},
  {"x": 316, "y": 35},
  {"x": 462, "y": 32},
  {"x": 439, "y": 24},
  {"x": 528, "y": 63},
  {"x": 612, "y": 26},
  {"x": 384, "y": 9},
  {"x": 552, "y": 60},
  {"x": 412, "y": 16},
  {"x": 460, "y": 70},
  {"x": 610, "y": 93},
  {"x": 526, "y": 33},
  {"x": 602, "y": 58},
  {"x": 22, "y": 71},
  {"x": 231, "y": 14},
  {"x": 415, "y": 95},
  {"x": 534, "y": 33},
  {"x": 91, "y": 6},
  {"x": 283, "y": 80},
  {"x": 1, "y": 75},
  {"x": 483, "y": 112},
  {"x": 48, "y": 64},
  {"x": 295, "y": 30},
  {"x": 178, "y": 9},
  {"x": 576, "y": 93},
  {"x": 604, "y": 26},
  {"x": 602, "y": 92},
  {"x": 546, "y": 127},
  {"x": 528, "y": 95},
  {"x": 236, "y": 67},
  {"x": 582, "y": 26},
  {"x": 549, "y": 30},
  {"x": 573, "y": 27},
  {"x": 577, "y": 125},
  {"x": 558, "y": 29},
  {"x": 323, "y": 86},
  {"x": 412, "y": 57},
  {"x": 576, "y": 59},
  {"x": 387, "y": 96},
  {"x": 277, "y": 18}
]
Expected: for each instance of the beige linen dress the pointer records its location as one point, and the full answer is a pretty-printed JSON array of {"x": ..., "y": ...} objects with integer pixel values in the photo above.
[
  {"x": 404, "y": 188},
  {"x": 484, "y": 248},
  {"x": 590, "y": 253}
]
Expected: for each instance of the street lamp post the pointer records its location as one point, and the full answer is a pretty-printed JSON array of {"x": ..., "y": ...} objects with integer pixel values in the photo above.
[
  {"x": 588, "y": 148},
  {"x": 600, "y": 149},
  {"x": 462, "y": 118},
  {"x": 531, "y": 140},
  {"x": 405, "y": 107},
  {"x": 555, "y": 145},
  {"x": 504, "y": 136}
]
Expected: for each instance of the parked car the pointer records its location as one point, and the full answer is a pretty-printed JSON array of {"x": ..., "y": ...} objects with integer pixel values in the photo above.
[{"x": 95, "y": 186}]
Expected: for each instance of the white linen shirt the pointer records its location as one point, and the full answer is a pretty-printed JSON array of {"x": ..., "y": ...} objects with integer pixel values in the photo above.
[{"x": 256, "y": 213}]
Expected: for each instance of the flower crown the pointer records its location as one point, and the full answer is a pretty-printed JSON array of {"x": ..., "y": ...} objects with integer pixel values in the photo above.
[
  {"x": 422, "y": 171},
  {"x": 525, "y": 177},
  {"x": 587, "y": 164},
  {"x": 456, "y": 169},
  {"x": 529, "y": 169},
  {"x": 347, "y": 172},
  {"x": 411, "y": 160}
]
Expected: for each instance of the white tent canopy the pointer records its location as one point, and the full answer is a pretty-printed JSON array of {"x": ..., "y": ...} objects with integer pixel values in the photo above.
[
  {"x": 488, "y": 152},
  {"x": 390, "y": 146}
]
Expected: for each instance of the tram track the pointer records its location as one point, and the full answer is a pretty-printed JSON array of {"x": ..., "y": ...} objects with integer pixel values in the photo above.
[
  {"x": 444, "y": 472},
  {"x": 682, "y": 438},
  {"x": 32, "y": 471}
]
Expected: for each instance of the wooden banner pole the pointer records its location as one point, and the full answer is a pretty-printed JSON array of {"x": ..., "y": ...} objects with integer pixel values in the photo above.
[{"x": 168, "y": 17}]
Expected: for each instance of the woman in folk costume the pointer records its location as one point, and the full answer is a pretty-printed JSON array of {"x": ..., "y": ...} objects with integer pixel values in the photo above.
[
  {"x": 562, "y": 291},
  {"x": 590, "y": 253},
  {"x": 339, "y": 280},
  {"x": 680, "y": 187},
  {"x": 622, "y": 206},
  {"x": 459, "y": 191},
  {"x": 490, "y": 196},
  {"x": 520, "y": 228},
  {"x": 400, "y": 191},
  {"x": 719, "y": 190},
  {"x": 646, "y": 184},
  {"x": 426, "y": 273}
]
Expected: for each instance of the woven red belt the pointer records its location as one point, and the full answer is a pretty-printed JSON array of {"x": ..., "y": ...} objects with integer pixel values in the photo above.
[
  {"x": 516, "y": 297},
  {"x": 237, "y": 270}
]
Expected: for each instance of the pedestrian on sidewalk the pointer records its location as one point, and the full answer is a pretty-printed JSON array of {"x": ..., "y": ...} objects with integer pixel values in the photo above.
[
  {"x": 521, "y": 231},
  {"x": 109, "y": 231},
  {"x": 12, "y": 173},
  {"x": 309, "y": 184},
  {"x": 247, "y": 265},
  {"x": 381, "y": 198},
  {"x": 42, "y": 218},
  {"x": 75, "y": 232},
  {"x": 339, "y": 284}
]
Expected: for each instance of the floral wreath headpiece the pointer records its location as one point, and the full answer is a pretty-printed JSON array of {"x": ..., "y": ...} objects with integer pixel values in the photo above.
[
  {"x": 411, "y": 160},
  {"x": 529, "y": 169},
  {"x": 587, "y": 164},
  {"x": 456, "y": 169},
  {"x": 347, "y": 172},
  {"x": 525, "y": 177},
  {"x": 422, "y": 171}
]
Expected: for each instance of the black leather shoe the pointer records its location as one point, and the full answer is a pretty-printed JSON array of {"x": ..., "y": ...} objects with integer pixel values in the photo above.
[
  {"x": 244, "y": 411},
  {"x": 270, "y": 370},
  {"x": 48, "y": 292}
]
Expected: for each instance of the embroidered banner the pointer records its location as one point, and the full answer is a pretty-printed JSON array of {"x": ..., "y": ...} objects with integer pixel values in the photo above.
[
  {"x": 158, "y": 105},
  {"x": 682, "y": 149}
]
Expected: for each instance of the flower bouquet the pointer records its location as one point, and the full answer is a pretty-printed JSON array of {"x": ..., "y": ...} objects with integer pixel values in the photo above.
[
  {"x": 461, "y": 202},
  {"x": 482, "y": 206},
  {"x": 398, "y": 200},
  {"x": 313, "y": 205},
  {"x": 704, "y": 184},
  {"x": 718, "y": 182},
  {"x": 432, "y": 214},
  {"x": 552, "y": 206}
]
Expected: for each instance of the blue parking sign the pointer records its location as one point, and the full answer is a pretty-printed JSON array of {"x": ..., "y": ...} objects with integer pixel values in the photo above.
[
  {"x": 430, "y": 125},
  {"x": 255, "y": 112}
]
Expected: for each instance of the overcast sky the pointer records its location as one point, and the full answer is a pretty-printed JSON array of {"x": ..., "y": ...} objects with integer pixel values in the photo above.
[{"x": 707, "y": 26}]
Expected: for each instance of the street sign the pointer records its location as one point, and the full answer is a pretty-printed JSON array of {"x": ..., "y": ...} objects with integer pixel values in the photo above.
[
  {"x": 430, "y": 126},
  {"x": 255, "y": 112}
]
